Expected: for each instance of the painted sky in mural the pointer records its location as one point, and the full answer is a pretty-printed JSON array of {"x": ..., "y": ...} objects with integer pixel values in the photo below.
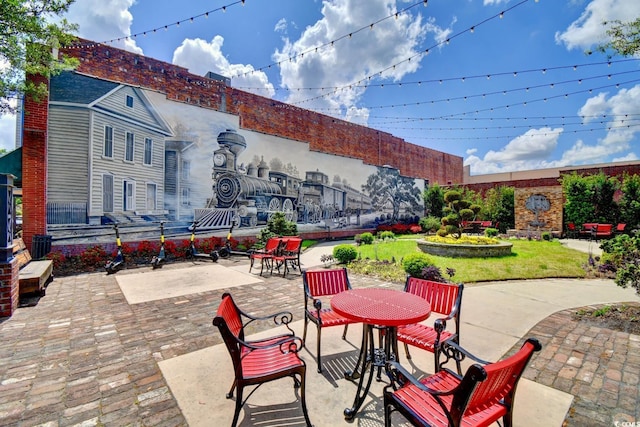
[{"x": 316, "y": 187}]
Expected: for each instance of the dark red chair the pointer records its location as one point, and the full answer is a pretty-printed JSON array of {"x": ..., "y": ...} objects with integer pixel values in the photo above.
[
  {"x": 484, "y": 395},
  {"x": 445, "y": 300},
  {"x": 265, "y": 255},
  {"x": 318, "y": 284},
  {"x": 289, "y": 255},
  {"x": 259, "y": 361}
]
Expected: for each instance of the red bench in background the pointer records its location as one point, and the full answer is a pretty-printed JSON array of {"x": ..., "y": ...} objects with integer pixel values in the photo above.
[{"x": 594, "y": 230}]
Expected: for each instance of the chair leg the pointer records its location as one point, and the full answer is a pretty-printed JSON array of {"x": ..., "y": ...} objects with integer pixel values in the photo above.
[
  {"x": 344, "y": 333},
  {"x": 236, "y": 415},
  {"x": 303, "y": 399},
  {"x": 406, "y": 351},
  {"x": 318, "y": 349},
  {"x": 304, "y": 331}
]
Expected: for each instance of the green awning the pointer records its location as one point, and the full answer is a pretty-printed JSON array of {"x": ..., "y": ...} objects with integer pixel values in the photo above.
[{"x": 12, "y": 163}]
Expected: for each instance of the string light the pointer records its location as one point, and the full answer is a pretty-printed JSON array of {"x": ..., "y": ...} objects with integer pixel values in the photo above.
[{"x": 166, "y": 27}]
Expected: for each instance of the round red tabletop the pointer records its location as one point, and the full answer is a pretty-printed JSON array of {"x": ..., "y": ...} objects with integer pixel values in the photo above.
[{"x": 383, "y": 307}]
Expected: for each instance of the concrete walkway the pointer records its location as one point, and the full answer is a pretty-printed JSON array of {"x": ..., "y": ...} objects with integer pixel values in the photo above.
[{"x": 86, "y": 355}]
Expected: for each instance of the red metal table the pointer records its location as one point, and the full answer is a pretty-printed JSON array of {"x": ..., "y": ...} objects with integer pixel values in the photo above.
[{"x": 383, "y": 309}]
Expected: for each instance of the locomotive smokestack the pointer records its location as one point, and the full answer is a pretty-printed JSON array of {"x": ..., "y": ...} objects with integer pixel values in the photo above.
[{"x": 233, "y": 141}]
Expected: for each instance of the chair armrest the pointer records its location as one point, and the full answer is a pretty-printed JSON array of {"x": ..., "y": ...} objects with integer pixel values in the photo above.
[
  {"x": 286, "y": 343},
  {"x": 282, "y": 318},
  {"x": 399, "y": 376},
  {"x": 452, "y": 350}
]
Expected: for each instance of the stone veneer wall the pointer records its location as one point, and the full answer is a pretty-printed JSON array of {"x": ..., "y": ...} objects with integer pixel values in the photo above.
[{"x": 552, "y": 217}]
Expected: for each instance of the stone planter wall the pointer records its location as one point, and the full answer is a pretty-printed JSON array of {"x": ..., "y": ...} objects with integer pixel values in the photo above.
[{"x": 466, "y": 251}]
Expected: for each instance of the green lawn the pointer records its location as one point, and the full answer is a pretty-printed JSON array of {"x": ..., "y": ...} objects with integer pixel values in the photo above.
[{"x": 530, "y": 260}]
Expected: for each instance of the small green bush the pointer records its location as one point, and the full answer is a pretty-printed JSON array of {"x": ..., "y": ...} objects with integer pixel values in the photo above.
[
  {"x": 366, "y": 238},
  {"x": 430, "y": 223},
  {"x": 344, "y": 254},
  {"x": 491, "y": 232},
  {"x": 384, "y": 235},
  {"x": 546, "y": 236},
  {"x": 414, "y": 264}
]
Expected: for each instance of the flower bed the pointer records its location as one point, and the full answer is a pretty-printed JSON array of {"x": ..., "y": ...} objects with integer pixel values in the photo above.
[{"x": 465, "y": 250}]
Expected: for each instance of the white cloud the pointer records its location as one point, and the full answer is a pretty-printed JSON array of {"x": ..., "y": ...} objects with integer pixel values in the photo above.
[
  {"x": 8, "y": 131},
  {"x": 588, "y": 29},
  {"x": 100, "y": 20},
  {"x": 531, "y": 150},
  {"x": 351, "y": 61},
  {"x": 628, "y": 158},
  {"x": 491, "y": 2},
  {"x": 281, "y": 26},
  {"x": 622, "y": 127},
  {"x": 200, "y": 57}
]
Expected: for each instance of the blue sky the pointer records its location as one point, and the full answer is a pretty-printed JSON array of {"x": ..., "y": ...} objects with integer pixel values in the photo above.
[{"x": 505, "y": 84}]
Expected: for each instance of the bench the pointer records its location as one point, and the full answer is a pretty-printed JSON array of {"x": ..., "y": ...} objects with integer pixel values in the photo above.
[
  {"x": 34, "y": 275},
  {"x": 596, "y": 231}
]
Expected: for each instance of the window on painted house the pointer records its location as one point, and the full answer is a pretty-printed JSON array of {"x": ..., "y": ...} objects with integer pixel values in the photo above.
[
  {"x": 128, "y": 147},
  {"x": 185, "y": 197},
  {"x": 129, "y": 101},
  {"x": 148, "y": 150},
  {"x": 186, "y": 169},
  {"x": 108, "y": 141}
]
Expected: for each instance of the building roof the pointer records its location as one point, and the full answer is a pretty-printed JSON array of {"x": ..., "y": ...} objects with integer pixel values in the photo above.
[{"x": 78, "y": 89}]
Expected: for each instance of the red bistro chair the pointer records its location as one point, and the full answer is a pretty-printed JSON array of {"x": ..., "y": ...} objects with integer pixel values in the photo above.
[
  {"x": 265, "y": 255},
  {"x": 484, "y": 395},
  {"x": 446, "y": 300},
  {"x": 260, "y": 361},
  {"x": 318, "y": 284},
  {"x": 289, "y": 256}
]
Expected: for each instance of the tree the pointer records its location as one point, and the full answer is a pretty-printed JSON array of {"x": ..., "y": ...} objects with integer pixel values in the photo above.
[
  {"x": 387, "y": 187},
  {"x": 590, "y": 198},
  {"x": 434, "y": 200},
  {"x": 624, "y": 37},
  {"x": 28, "y": 45},
  {"x": 499, "y": 207},
  {"x": 630, "y": 201},
  {"x": 456, "y": 211}
]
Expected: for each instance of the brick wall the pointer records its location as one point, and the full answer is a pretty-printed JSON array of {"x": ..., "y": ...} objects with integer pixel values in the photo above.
[
  {"x": 323, "y": 133},
  {"x": 9, "y": 287},
  {"x": 552, "y": 217},
  {"x": 34, "y": 167}
]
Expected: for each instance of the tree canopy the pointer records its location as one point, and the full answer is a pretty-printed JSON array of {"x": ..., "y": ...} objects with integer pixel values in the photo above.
[
  {"x": 31, "y": 31},
  {"x": 624, "y": 37}
]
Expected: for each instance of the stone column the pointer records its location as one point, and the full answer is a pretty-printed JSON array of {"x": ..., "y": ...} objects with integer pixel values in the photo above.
[{"x": 9, "y": 270}]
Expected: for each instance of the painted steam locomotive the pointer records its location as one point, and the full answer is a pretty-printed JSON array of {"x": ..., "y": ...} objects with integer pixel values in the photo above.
[{"x": 248, "y": 197}]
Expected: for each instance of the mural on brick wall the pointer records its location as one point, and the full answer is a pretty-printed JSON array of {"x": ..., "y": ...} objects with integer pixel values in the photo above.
[{"x": 220, "y": 174}]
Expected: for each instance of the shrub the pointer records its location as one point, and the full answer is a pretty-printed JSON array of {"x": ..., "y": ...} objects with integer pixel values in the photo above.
[
  {"x": 433, "y": 273},
  {"x": 430, "y": 223},
  {"x": 491, "y": 232},
  {"x": 384, "y": 235},
  {"x": 366, "y": 238},
  {"x": 546, "y": 236},
  {"x": 94, "y": 256},
  {"x": 344, "y": 254},
  {"x": 414, "y": 264}
]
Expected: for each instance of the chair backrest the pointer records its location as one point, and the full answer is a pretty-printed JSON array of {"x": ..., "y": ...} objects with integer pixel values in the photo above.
[
  {"x": 229, "y": 322},
  {"x": 272, "y": 244},
  {"x": 620, "y": 227},
  {"x": 443, "y": 297},
  {"x": 483, "y": 386},
  {"x": 293, "y": 246},
  {"x": 318, "y": 283}
]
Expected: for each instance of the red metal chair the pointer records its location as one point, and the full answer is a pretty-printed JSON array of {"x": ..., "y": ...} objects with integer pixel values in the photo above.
[
  {"x": 259, "y": 361},
  {"x": 318, "y": 284},
  {"x": 484, "y": 395},
  {"x": 446, "y": 300},
  {"x": 265, "y": 255},
  {"x": 289, "y": 256}
]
